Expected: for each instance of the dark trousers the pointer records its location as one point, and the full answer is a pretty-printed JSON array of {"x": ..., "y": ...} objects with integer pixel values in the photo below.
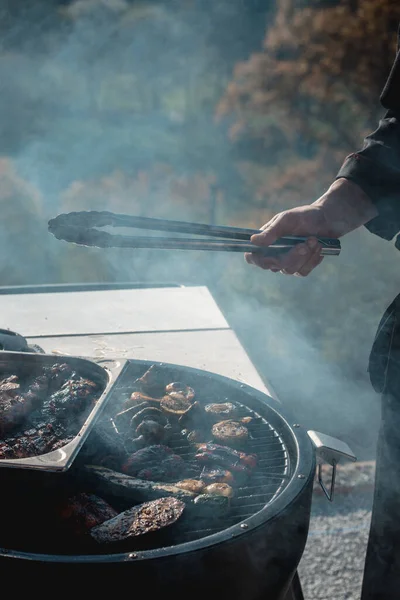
[{"x": 382, "y": 565}]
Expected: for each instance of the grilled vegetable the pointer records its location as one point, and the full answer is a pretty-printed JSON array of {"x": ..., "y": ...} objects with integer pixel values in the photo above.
[
  {"x": 152, "y": 432},
  {"x": 225, "y": 410},
  {"x": 123, "y": 418},
  {"x": 216, "y": 474},
  {"x": 211, "y": 506},
  {"x": 223, "y": 455},
  {"x": 175, "y": 404},
  {"x": 191, "y": 485},
  {"x": 139, "y": 520},
  {"x": 177, "y": 387},
  {"x": 149, "y": 412},
  {"x": 84, "y": 511},
  {"x": 230, "y": 432},
  {"x": 219, "y": 489},
  {"x": 138, "y": 398},
  {"x": 114, "y": 485},
  {"x": 117, "y": 487}
]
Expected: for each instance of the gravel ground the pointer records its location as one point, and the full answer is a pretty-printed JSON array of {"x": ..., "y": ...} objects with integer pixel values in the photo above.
[{"x": 332, "y": 564}]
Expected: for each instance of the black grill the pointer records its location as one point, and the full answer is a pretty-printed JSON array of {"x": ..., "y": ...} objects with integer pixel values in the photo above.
[{"x": 252, "y": 554}]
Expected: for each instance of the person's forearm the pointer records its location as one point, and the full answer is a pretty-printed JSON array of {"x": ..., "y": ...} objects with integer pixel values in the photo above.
[{"x": 346, "y": 207}]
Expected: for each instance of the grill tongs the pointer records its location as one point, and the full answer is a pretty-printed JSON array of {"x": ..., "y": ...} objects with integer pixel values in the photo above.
[{"x": 82, "y": 228}]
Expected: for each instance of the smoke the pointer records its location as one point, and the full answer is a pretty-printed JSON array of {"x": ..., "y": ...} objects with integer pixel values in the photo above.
[{"x": 109, "y": 105}]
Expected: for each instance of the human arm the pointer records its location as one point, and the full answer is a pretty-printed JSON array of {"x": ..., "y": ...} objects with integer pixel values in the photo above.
[{"x": 366, "y": 192}]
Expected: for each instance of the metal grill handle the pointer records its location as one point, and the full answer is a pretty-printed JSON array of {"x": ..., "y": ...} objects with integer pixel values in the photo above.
[{"x": 329, "y": 450}]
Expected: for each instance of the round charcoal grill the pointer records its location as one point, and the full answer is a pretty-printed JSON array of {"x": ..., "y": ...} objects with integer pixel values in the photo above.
[{"x": 250, "y": 554}]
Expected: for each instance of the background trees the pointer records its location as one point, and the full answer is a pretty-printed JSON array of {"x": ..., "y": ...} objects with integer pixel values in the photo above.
[{"x": 224, "y": 111}]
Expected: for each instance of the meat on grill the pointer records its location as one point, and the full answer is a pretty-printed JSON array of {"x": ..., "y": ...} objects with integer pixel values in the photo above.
[
  {"x": 192, "y": 485},
  {"x": 34, "y": 441},
  {"x": 85, "y": 511},
  {"x": 73, "y": 397},
  {"x": 35, "y": 416},
  {"x": 219, "y": 489},
  {"x": 215, "y": 474},
  {"x": 137, "y": 521},
  {"x": 223, "y": 455},
  {"x": 145, "y": 458},
  {"x": 170, "y": 469}
]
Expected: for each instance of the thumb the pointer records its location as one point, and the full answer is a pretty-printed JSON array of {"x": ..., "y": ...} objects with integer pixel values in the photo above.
[{"x": 269, "y": 234}]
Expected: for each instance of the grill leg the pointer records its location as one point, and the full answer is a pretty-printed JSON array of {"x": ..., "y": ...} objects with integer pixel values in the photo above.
[{"x": 295, "y": 591}]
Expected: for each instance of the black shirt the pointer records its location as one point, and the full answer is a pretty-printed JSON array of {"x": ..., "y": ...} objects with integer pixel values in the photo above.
[{"x": 376, "y": 168}]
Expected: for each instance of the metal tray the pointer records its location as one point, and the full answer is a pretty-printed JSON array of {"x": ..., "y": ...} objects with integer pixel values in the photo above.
[{"x": 102, "y": 371}]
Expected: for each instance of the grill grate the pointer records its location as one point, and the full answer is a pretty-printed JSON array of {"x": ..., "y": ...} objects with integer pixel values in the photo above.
[{"x": 268, "y": 479}]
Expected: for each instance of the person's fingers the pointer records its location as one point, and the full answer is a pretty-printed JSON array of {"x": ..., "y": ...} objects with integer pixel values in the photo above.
[
  {"x": 293, "y": 261},
  {"x": 314, "y": 261},
  {"x": 300, "y": 260},
  {"x": 264, "y": 262},
  {"x": 271, "y": 231}
]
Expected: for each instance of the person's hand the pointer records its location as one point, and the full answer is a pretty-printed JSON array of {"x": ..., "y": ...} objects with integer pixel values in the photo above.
[{"x": 343, "y": 208}]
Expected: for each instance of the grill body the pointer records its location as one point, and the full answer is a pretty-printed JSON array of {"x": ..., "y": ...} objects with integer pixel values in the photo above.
[{"x": 253, "y": 555}]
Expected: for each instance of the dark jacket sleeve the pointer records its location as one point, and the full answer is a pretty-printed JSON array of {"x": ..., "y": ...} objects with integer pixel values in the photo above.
[{"x": 376, "y": 168}]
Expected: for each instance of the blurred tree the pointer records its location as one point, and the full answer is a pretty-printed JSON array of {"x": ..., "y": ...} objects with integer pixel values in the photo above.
[
  {"x": 313, "y": 92},
  {"x": 24, "y": 253}
]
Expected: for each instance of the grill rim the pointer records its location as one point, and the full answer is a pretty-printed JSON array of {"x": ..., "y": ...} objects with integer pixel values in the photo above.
[{"x": 303, "y": 471}]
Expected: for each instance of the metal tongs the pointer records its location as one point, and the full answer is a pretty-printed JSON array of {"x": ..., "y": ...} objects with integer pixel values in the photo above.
[{"x": 82, "y": 228}]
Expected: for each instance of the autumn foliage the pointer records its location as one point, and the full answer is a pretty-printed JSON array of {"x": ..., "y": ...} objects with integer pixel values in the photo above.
[{"x": 312, "y": 93}]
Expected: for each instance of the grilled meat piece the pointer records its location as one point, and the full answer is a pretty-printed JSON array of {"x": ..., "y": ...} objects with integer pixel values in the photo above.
[
  {"x": 85, "y": 511},
  {"x": 215, "y": 474},
  {"x": 139, "y": 520},
  {"x": 72, "y": 399},
  {"x": 217, "y": 410},
  {"x": 219, "y": 489},
  {"x": 168, "y": 469},
  {"x": 10, "y": 385},
  {"x": 28, "y": 404},
  {"x": 57, "y": 375},
  {"x": 146, "y": 458},
  {"x": 192, "y": 485},
  {"x": 37, "y": 391},
  {"x": 230, "y": 432},
  {"x": 37, "y": 440},
  {"x": 225, "y": 456},
  {"x": 13, "y": 411},
  {"x": 177, "y": 387}
]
